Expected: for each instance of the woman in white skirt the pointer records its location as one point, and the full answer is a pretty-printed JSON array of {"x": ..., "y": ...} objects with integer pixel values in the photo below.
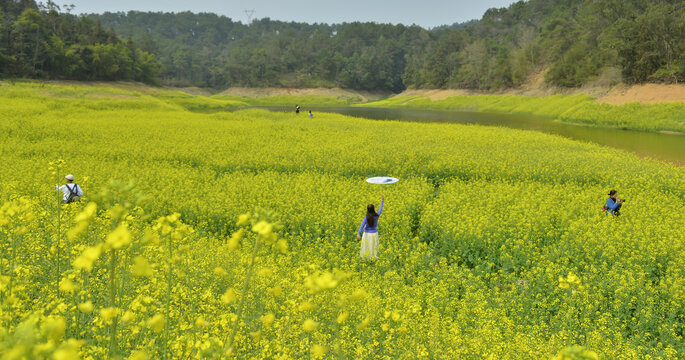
[{"x": 369, "y": 227}]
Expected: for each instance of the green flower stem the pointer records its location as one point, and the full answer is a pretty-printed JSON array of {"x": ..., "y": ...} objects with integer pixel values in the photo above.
[
  {"x": 112, "y": 302},
  {"x": 244, "y": 293},
  {"x": 168, "y": 298}
]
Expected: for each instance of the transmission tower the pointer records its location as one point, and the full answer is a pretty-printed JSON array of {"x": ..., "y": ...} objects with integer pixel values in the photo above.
[{"x": 250, "y": 14}]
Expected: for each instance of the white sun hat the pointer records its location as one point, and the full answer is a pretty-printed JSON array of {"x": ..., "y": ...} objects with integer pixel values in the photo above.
[{"x": 69, "y": 177}]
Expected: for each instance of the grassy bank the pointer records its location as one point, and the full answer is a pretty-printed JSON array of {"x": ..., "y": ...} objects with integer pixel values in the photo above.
[
  {"x": 291, "y": 100},
  {"x": 575, "y": 109},
  {"x": 232, "y": 234}
]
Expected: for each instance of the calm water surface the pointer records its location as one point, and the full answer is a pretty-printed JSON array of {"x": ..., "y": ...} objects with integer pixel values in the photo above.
[{"x": 669, "y": 148}]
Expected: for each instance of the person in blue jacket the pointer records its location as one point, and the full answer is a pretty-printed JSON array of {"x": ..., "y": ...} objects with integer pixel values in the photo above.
[
  {"x": 369, "y": 245},
  {"x": 613, "y": 204}
]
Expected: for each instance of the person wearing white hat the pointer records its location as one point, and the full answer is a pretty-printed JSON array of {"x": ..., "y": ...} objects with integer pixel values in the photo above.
[{"x": 72, "y": 192}]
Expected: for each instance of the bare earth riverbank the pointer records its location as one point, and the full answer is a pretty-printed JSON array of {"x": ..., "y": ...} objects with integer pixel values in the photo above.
[{"x": 615, "y": 95}]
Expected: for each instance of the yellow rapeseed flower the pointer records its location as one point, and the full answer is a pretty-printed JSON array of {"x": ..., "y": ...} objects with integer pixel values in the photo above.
[
  {"x": 156, "y": 323},
  {"x": 67, "y": 353},
  {"x": 364, "y": 323},
  {"x": 228, "y": 296},
  {"x": 358, "y": 294},
  {"x": 282, "y": 246},
  {"x": 107, "y": 314},
  {"x": 243, "y": 219},
  {"x": 234, "y": 241},
  {"x": 310, "y": 325},
  {"x": 262, "y": 228},
  {"x": 128, "y": 317},
  {"x": 267, "y": 319},
  {"x": 118, "y": 238},
  {"x": 201, "y": 322},
  {"x": 87, "y": 213},
  {"x": 77, "y": 230},
  {"x": 54, "y": 327},
  {"x": 141, "y": 267},
  {"x": 318, "y": 351},
  {"x": 305, "y": 306},
  {"x": 342, "y": 317},
  {"x": 67, "y": 286},
  {"x": 138, "y": 355},
  {"x": 86, "y": 307},
  {"x": 276, "y": 291},
  {"x": 87, "y": 258}
]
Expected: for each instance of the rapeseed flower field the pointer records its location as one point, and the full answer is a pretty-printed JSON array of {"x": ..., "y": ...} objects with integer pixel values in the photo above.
[{"x": 232, "y": 235}]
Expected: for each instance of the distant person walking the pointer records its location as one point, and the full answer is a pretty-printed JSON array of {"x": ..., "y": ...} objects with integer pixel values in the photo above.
[
  {"x": 310, "y": 114},
  {"x": 613, "y": 204},
  {"x": 297, "y": 109},
  {"x": 369, "y": 228},
  {"x": 71, "y": 191}
]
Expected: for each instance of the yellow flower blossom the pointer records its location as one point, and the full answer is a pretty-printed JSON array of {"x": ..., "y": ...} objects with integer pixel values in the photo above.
[
  {"x": 267, "y": 319},
  {"x": 243, "y": 219},
  {"x": 282, "y": 246},
  {"x": 342, "y": 317},
  {"x": 228, "y": 296},
  {"x": 156, "y": 323},
  {"x": 107, "y": 314},
  {"x": 276, "y": 291},
  {"x": 201, "y": 322},
  {"x": 262, "y": 228},
  {"x": 318, "y": 351},
  {"x": 138, "y": 355},
  {"x": 310, "y": 325},
  {"x": 67, "y": 286},
  {"x": 88, "y": 257},
  {"x": 53, "y": 328},
  {"x": 234, "y": 241},
  {"x": 141, "y": 267},
  {"x": 86, "y": 307},
  {"x": 118, "y": 238},
  {"x": 363, "y": 324},
  {"x": 128, "y": 317}
]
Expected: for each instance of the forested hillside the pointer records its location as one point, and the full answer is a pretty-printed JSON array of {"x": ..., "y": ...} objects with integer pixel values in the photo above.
[
  {"x": 573, "y": 42},
  {"x": 41, "y": 41},
  {"x": 577, "y": 41}
]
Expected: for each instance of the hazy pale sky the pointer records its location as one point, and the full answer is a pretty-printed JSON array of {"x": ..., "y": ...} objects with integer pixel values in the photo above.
[{"x": 426, "y": 13}]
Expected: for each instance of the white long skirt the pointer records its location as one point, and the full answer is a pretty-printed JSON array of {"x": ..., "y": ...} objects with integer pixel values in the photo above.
[{"x": 369, "y": 248}]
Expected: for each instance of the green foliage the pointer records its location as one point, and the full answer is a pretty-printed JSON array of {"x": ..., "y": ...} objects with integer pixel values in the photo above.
[
  {"x": 291, "y": 100},
  {"x": 574, "y": 39},
  {"x": 37, "y": 41},
  {"x": 580, "y": 109}
]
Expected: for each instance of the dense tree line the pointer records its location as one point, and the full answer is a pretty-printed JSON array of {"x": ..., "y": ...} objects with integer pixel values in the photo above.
[
  {"x": 41, "y": 41},
  {"x": 214, "y": 51},
  {"x": 574, "y": 41},
  {"x": 577, "y": 41}
]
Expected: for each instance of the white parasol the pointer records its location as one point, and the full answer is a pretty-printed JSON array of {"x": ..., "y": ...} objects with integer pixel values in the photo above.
[{"x": 382, "y": 180}]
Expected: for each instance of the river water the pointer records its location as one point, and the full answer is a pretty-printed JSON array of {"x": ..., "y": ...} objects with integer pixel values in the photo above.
[{"x": 670, "y": 148}]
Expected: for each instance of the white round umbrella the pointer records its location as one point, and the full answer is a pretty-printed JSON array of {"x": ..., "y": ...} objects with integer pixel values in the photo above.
[{"x": 382, "y": 180}]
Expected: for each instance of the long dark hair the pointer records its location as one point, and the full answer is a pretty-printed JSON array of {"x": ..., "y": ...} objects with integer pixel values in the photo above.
[{"x": 371, "y": 215}]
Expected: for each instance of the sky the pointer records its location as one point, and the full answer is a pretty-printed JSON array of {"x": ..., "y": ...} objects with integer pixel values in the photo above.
[{"x": 426, "y": 13}]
